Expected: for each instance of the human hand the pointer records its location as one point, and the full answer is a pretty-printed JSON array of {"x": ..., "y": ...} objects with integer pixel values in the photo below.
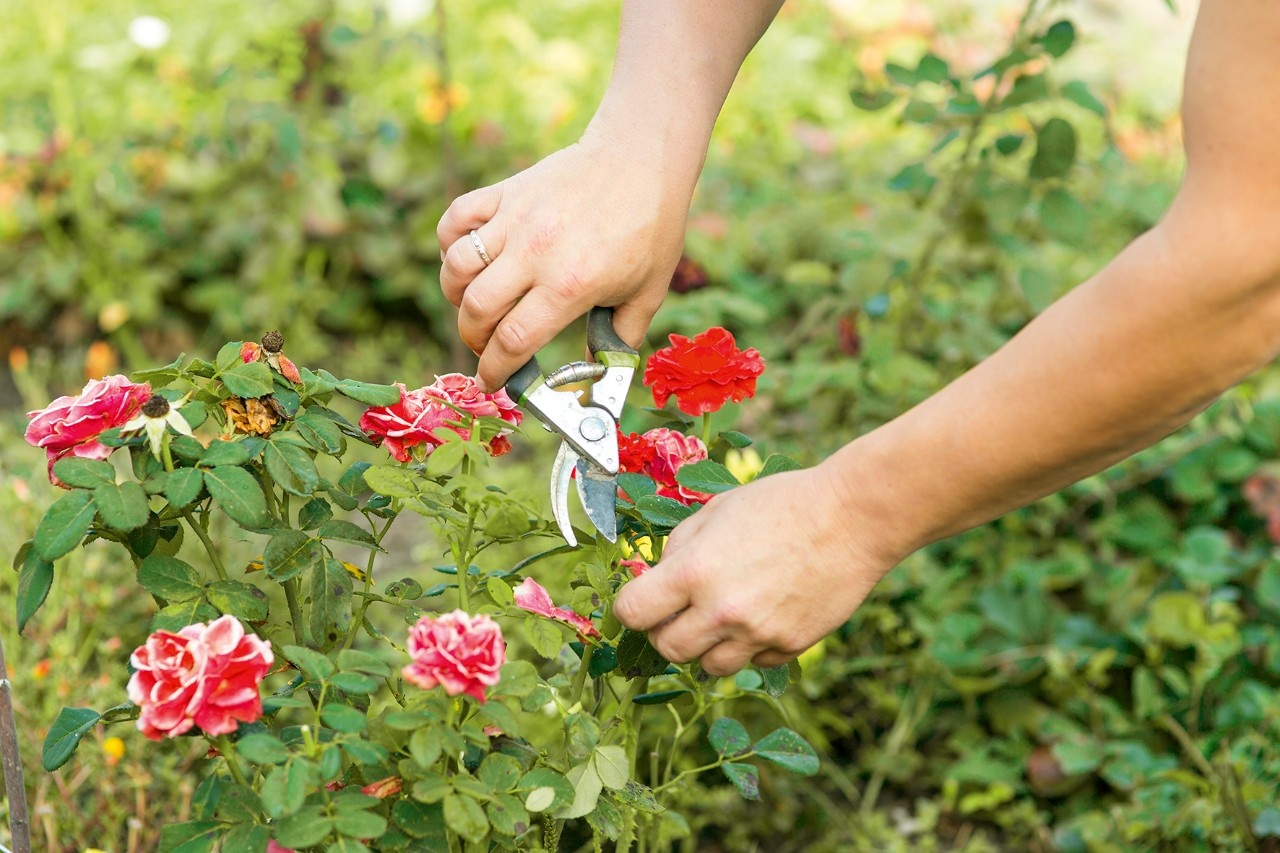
[
  {"x": 729, "y": 590},
  {"x": 598, "y": 223}
]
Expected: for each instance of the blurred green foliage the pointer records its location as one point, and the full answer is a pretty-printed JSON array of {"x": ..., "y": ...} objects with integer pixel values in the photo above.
[{"x": 1098, "y": 672}]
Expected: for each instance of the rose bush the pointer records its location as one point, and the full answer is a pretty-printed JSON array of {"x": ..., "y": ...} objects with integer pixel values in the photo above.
[{"x": 486, "y": 714}]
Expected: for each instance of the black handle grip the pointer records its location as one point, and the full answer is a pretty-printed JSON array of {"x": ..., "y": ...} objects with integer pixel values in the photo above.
[
  {"x": 601, "y": 336},
  {"x": 526, "y": 376}
]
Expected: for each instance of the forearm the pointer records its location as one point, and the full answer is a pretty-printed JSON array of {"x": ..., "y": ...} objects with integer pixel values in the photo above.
[
  {"x": 1182, "y": 314},
  {"x": 675, "y": 63}
]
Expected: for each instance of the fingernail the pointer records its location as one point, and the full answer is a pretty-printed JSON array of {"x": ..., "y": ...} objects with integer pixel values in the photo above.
[{"x": 442, "y": 256}]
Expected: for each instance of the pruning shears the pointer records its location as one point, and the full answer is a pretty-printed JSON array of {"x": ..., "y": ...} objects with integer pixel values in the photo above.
[{"x": 588, "y": 433}]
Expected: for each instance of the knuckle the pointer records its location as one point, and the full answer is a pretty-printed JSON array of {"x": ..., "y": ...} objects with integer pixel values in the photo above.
[
  {"x": 627, "y": 611},
  {"x": 571, "y": 285},
  {"x": 473, "y": 304},
  {"x": 543, "y": 238},
  {"x": 511, "y": 337},
  {"x": 732, "y": 613}
]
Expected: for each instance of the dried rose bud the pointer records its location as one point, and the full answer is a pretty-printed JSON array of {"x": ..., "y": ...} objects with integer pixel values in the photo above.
[
  {"x": 273, "y": 341},
  {"x": 155, "y": 407}
]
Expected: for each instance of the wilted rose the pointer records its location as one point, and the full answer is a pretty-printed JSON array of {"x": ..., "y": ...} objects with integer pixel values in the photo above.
[
  {"x": 460, "y": 652},
  {"x": 70, "y": 426},
  {"x": 204, "y": 675},
  {"x": 531, "y": 596}
]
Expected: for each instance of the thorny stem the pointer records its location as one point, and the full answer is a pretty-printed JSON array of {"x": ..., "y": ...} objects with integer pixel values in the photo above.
[
  {"x": 223, "y": 744},
  {"x": 358, "y": 619},
  {"x": 166, "y": 456},
  {"x": 580, "y": 677},
  {"x": 295, "y": 610},
  {"x": 462, "y": 556},
  {"x": 19, "y": 828}
]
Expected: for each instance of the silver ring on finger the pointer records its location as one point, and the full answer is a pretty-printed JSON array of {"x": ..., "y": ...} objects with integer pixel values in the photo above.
[{"x": 479, "y": 247}]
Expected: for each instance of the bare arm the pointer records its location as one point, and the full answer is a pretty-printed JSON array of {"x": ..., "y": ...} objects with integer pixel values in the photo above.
[
  {"x": 1180, "y": 315},
  {"x": 601, "y": 222}
]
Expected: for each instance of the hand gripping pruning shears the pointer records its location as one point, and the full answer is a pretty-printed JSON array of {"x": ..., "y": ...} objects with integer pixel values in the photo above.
[{"x": 588, "y": 433}]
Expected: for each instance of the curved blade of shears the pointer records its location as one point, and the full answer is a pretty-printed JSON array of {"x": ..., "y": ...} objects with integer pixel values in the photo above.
[
  {"x": 561, "y": 472},
  {"x": 598, "y": 491}
]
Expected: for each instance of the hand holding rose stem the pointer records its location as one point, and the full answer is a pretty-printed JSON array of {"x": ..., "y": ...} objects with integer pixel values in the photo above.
[{"x": 1184, "y": 312}]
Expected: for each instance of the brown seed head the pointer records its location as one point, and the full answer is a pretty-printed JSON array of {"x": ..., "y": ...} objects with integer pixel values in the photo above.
[
  {"x": 273, "y": 341},
  {"x": 155, "y": 407}
]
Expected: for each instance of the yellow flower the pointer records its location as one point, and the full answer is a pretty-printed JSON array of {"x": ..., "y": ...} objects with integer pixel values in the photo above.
[
  {"x": 113, "y": 748},
  {"x": 743, "y": 464}
]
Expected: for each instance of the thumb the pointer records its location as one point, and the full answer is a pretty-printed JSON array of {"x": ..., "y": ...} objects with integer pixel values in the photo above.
[
  {"x": 652, "y": 598},
  {"x": 631, "y": 320}
]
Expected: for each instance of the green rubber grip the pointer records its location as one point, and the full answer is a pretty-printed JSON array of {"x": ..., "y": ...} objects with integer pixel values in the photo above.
[
  {"x": 601, "y": 336},
  {"x": 524, "y": 379}
]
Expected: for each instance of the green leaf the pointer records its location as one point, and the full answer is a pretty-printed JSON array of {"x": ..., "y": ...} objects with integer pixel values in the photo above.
[
  {"x": 776, "y": 679},
  {"x": 331, "y": 591},
  {"x": 788, "y": 749},
  {"x": 175, "y": 617},
  {"x": 183, "y": 486},
  {"x": 248, "y": 380},
  {"x": 33, "y": 586},
  {"x": 544, "y": 636},
  {"x": 229, "y": 452},
  {"x": 1009, "y": 143},
  {"x": 291, "y": 467},
  {"x": 612, "y": 766},
  {"x": 247, "y": 837},
  {"x": 315, "y": 665},
  {"x": 197, "y": 836},
  {"x": 548, "y": 790},
  {"x": 1055, "y": 150},
  {"x": 359, "y": 823},
  {"x": 1078, "y": 757},
  {"x": 241, "y": 600},
  {"x": 289, "y": 553},
  {"x": 637, "y": 658},
  {"x": 355, "y": 682},
  {"x": 1058, "y": 39},
  {"x": 307, "y": 828},
  {"x": 228, "y": 355},
  {"x": 239, "y": 494},
  {"x": 363, "y": 392},
  {"x": 1079, "y": 94},
  {"x": 64, "y": 736},
  {"x": 158, "y": 377},
  {"x": 586, "y": 792},
  {"x": 464, "y": 816},
  {"x": 636, "y": 486},
  {"x": 64, "y": 524},
  {"x": 321, "y": 433},
  {"x": 1026, "y": 89},
  {"x": 314, "y": 513},
  {"x": 84, "y": 473},
  {"x": 707, "y": 476},
  {"x": 169, "y": 578},
  {"x": 913, "y": 178},
  {"x": 344, "y": 531},
  {"x": 734, "y": 438},
  {"x": 285, "y": 788},
  {"x": 507, "y": 816},
  {"x": 662, "y": 512},
  {"x": 421, "y": 820},
  {"x": 354, "y": 660},
  {"x": 343, "y": 718},
  {"x": 872, "y": 100},
  {"x": 391, "y": 481},
  {"x": 745, "y": 777},
  {"x": 1064, "y": 217},
  {"x": 659, "y": 697},
  {"x": 932, "y": 69},
  {"x": 729, "y": 737},
  {"x": 639, "y": 797},
  {"x": 500, "y": 591},
  {"x": 263, "y": 748},
  {"x": 500, "y": 772},
  {"x": 606, "y": 820},
  {"x": 122, "y": 507},
  {"x": 777, "y": 463}
]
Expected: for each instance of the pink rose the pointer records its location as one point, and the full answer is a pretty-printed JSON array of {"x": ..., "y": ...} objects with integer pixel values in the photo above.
[
  {"x": 462, "y": 653},
  {"x": 70, "y": 426},
  {"x": 273, "y": 847},
  {"x": 204, "y": 675},
  {"x": 464, "y": 393},
  {"x": 636, "y": 565},
  {"x": 410, "y": 423},
  {"x": 531, "y": 596},
  {"x": 672, "y": 451}
]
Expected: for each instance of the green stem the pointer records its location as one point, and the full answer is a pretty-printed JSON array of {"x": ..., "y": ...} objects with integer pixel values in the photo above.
[
  {"x": 207, "y": 542},
  {"x": 580, "y": 677},
  {"x": 706, "y": 429},
  {"x": 704, "y": 768},
  {"x": 223, "y": 743},
  {"x": 367, "y": 596},
  {"x": 295, "y": 610}
]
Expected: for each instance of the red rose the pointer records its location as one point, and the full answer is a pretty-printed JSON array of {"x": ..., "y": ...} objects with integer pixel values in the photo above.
[
  {"x": 703, "y": 373},
  {"x": 460, "y": 652},
  {"x": 635, "y": 452},
  {"x": 464, "y": 393},
  {"x": 384, "y": 788},
  {"x": 636, "y": 565},
  {"x": 673, "y": 451},
  {"x": 531, "y": 596},
  {"x": 410, "y": 423},
  {"x": 70, "y": 426},
  {"x": 421, "y": 415},
  {"x": 204, "y": 675}
]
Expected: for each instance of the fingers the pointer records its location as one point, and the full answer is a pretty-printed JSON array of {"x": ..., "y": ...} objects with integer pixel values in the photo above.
[
  {"x": 517, "y": 336},
  {"x": 686, "y": 637},
  {"x": 631, "y": 320},
  {"x": 728, "y": 657},
  {"x": 468, "y": 212},
  {"x": 461, "y": 262},
  {"x": 651, "y": 598},
  {"x": 487, "y": 299},
  {"x": 772, "y": 657}
]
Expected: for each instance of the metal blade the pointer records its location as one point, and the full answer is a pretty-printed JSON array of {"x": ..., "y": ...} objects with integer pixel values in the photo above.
[
  {"x": 598, "y": 490},
  {"x": 561, "y": 471}
]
